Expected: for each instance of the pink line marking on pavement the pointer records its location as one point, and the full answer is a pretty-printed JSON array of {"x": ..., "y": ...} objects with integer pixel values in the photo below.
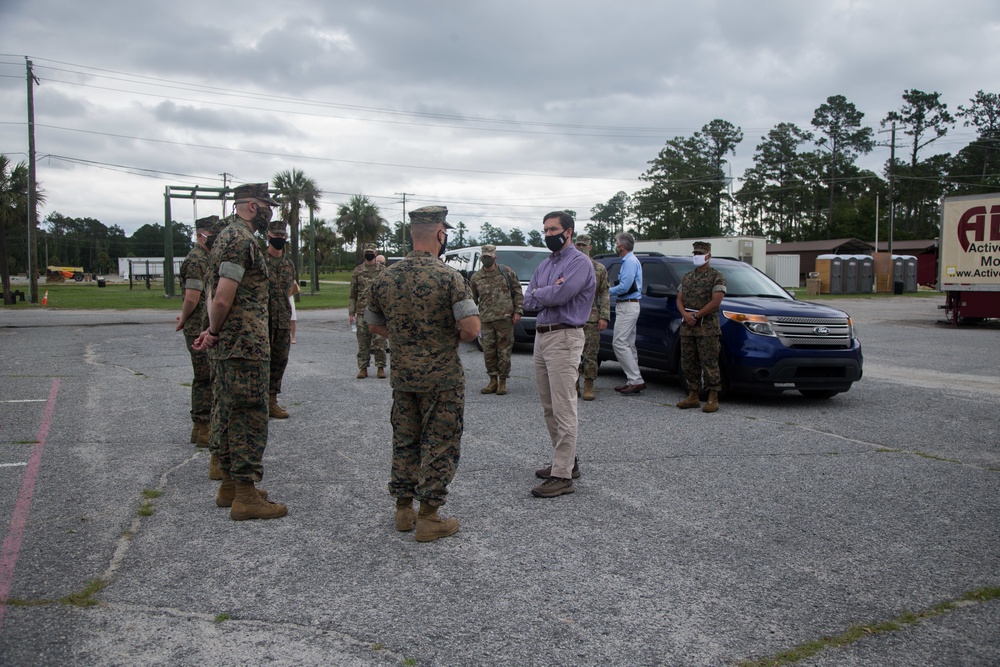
[{"x": 12, "y": 542}]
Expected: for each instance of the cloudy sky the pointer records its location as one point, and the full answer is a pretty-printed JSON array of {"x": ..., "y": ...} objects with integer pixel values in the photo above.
[{"x": 501, "y": 111}]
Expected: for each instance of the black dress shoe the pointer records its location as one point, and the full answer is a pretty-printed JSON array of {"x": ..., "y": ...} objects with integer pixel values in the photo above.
[{"x": 634, "y": 388}]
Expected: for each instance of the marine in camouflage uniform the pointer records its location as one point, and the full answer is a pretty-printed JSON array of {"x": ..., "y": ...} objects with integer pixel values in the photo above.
[
  {"x": 700, "y": 339},
  {"x": 241, "y": 358},
  {"x": 600, "y": 315},
  {"x": 497, "y": 292},
  {"x": 425, "y": 307},
  {"x": 281, "y": 279},
  {"x": 194, "y": 277},
  {"x": 361, "y": 281}
]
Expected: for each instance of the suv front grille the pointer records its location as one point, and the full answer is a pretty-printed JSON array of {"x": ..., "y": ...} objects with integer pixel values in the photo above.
[{"x": 816, "y": 332}]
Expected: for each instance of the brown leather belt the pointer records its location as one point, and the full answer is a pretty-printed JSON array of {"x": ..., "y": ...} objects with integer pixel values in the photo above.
[
  {"x": 628, "y": 300},
  {"x": 545, "y": 328}
]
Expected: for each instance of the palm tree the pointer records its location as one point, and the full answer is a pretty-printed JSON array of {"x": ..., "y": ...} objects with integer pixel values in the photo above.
[
  {"x": 293, "y": 188},
  {"x": 13, "y": 203},
  {"x": 359, "y": 221}
]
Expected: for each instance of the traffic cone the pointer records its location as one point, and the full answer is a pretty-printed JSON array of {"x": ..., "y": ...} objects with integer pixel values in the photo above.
[{"x": 45, "y": 299}]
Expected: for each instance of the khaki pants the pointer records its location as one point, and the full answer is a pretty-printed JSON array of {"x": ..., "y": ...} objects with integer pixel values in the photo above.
[{"x": 557, "y": 360}]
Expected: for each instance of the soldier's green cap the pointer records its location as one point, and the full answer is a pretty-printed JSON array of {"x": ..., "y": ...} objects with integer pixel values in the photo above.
[
  {"x": 370, "y": 246},
  {"x": 208, "y": 224},
  {"x": 489, "y": 251},
  {"x": 277, "y": 226},
  {"x": 429, "y": 215},
  {"x": 254, "y": 191},
  {"x": 583, "y": 239},
  {"x": 702, "y": 246}
]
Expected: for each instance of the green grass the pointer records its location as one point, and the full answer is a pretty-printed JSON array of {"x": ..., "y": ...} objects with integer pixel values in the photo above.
[{"x": 117, "y": 296}]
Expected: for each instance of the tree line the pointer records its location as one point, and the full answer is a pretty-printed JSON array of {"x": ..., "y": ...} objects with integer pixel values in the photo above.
[{"x": 805, "y": 183}]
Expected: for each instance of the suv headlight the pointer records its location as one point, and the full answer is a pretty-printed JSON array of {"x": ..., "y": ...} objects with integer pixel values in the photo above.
[
  {"x": 754, "y": 323},
  {"x": 850, "y": 328}
]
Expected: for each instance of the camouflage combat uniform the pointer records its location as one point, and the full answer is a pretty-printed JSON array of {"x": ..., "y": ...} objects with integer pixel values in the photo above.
[
  {"x": 700, "y": 343},
  {"x": 281, "y": 277},
  {"x": 368, "y": 343},
  {"x": 600, "y": 311},
  {"x": 194, "y": 274},
  {"x": 421, "y": 300},
  {"x": 498, "y": 299},
  {"x": 241, "y": 358}
]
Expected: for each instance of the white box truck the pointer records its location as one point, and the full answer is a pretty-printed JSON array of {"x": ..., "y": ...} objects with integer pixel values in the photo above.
[{"x": 969, "y": 260}]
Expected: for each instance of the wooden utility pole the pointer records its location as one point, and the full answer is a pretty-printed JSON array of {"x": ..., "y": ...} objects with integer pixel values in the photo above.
[{"x": 32, "y": 202}]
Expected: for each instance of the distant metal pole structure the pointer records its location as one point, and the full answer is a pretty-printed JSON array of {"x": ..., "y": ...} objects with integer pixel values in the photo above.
[
  {"x": 168, "y": 246},
  {"x": 892, "y": 186},
  {"x": 32, "y": 200},
  {"x": 403, "y": 221},
  {"x": 313, "y": 277}
]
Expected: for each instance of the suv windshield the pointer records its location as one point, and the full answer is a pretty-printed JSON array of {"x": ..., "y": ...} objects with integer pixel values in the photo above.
[
  {"x": 523, "y": 262},
  {"x": 742, "y": 280}
]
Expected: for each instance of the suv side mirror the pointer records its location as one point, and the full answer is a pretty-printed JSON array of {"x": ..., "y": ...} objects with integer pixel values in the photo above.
[{"x": 660, "y": 291}]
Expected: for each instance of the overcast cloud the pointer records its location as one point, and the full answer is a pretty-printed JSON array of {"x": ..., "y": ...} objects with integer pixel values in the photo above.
[{"x": 501, "y": 111}]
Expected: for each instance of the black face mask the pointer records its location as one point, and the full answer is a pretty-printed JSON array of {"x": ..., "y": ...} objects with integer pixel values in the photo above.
[
  {"x": 262, "y": 218},
  {"x": 369, "y": 256},
  {"x": 209, "y": 241},
  {"x": 555, "y": 243},
  {"x": 489, "y": 261},
  {"x": 277, "y": 243}
]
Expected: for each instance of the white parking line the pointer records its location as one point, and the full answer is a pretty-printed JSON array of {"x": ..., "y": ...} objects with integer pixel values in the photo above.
[
  {"x": 13, "y": 465},
  {"x": 26, "y": 400}
]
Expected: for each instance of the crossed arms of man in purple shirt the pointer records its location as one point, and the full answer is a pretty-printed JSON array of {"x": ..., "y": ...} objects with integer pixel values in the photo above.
[{"x": 562, "y": 288}]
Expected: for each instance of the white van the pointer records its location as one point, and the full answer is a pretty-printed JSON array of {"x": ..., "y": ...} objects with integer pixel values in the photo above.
[{"x": 523, "y": 260}]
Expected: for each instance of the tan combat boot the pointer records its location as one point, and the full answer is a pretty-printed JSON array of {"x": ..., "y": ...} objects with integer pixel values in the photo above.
[
  {"x": 275, "y": 410},
  {"x": 194, "y": 433},
  {"x": 227, "y": 490},
  {"x": 491, "y": 388},
  {"x": 501, "y": 386},
  {"x": 405, "y": 516},
  {"x": 713, "y": 402},
  {"x": 204, "y": 431},
  {"x": 381, "y": 373},
  {"x": 588, "y": 390},
  {"x": 363, "y": 373},
  {"x": 430, "y": 526},
  {"x": 214, "y": 467},
  {"x": 692, "y": 401},
  {"x": 248, "y": 504}
]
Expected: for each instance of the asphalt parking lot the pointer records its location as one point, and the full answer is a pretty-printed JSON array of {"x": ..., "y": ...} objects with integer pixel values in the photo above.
[{"x": 692, "y": 539}]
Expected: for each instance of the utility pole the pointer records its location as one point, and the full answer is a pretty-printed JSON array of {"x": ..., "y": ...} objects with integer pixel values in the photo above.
[
  {"x": 225, "y": 184},
  {"x": 892, "y": 184},
  {"x": 32, "y": 203},
  {"x": 403, "y": 240}
]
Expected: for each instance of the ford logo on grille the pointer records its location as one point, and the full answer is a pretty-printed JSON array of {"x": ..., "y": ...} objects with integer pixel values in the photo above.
[{"x": 821, "y": 331}]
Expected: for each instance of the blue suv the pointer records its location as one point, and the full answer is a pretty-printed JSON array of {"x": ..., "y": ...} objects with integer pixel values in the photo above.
[{"x": 771, "y": 342}]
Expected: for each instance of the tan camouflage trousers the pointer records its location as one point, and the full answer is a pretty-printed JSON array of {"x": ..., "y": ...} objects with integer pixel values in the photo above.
[
  {"x": 700, "y": 354},
  {"x": 368, "y": 344},
  {"x": 239, "y": 417},
  {"x": 498, "y": 343},
  {"x": 201, "y": 385},
  {"x": 281, "y": 342},
  {"x": 592, "y": 341},
  {"x": 426, "y": 443}
]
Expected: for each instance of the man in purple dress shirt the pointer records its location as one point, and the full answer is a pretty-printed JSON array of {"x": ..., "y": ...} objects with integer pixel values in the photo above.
[{"x": 562, "y": 290}]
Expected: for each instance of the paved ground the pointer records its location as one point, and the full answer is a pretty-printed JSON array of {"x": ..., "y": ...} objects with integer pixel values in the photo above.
[{"x": 693, "y": 539}]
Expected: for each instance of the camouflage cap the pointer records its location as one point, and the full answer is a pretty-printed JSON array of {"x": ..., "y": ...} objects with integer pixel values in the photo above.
[
  {"x": 370, "y": 246},
  {"x": 254, "y": 191},
  {"x": 429, "y": 215},
  {"x": 208, "y": 224},
  {"x": 583, "y": 239},
  {"x": 489, "y": 251},
  {"x": 277, "y": 227},
  {"x": 702, "y": 246}
]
